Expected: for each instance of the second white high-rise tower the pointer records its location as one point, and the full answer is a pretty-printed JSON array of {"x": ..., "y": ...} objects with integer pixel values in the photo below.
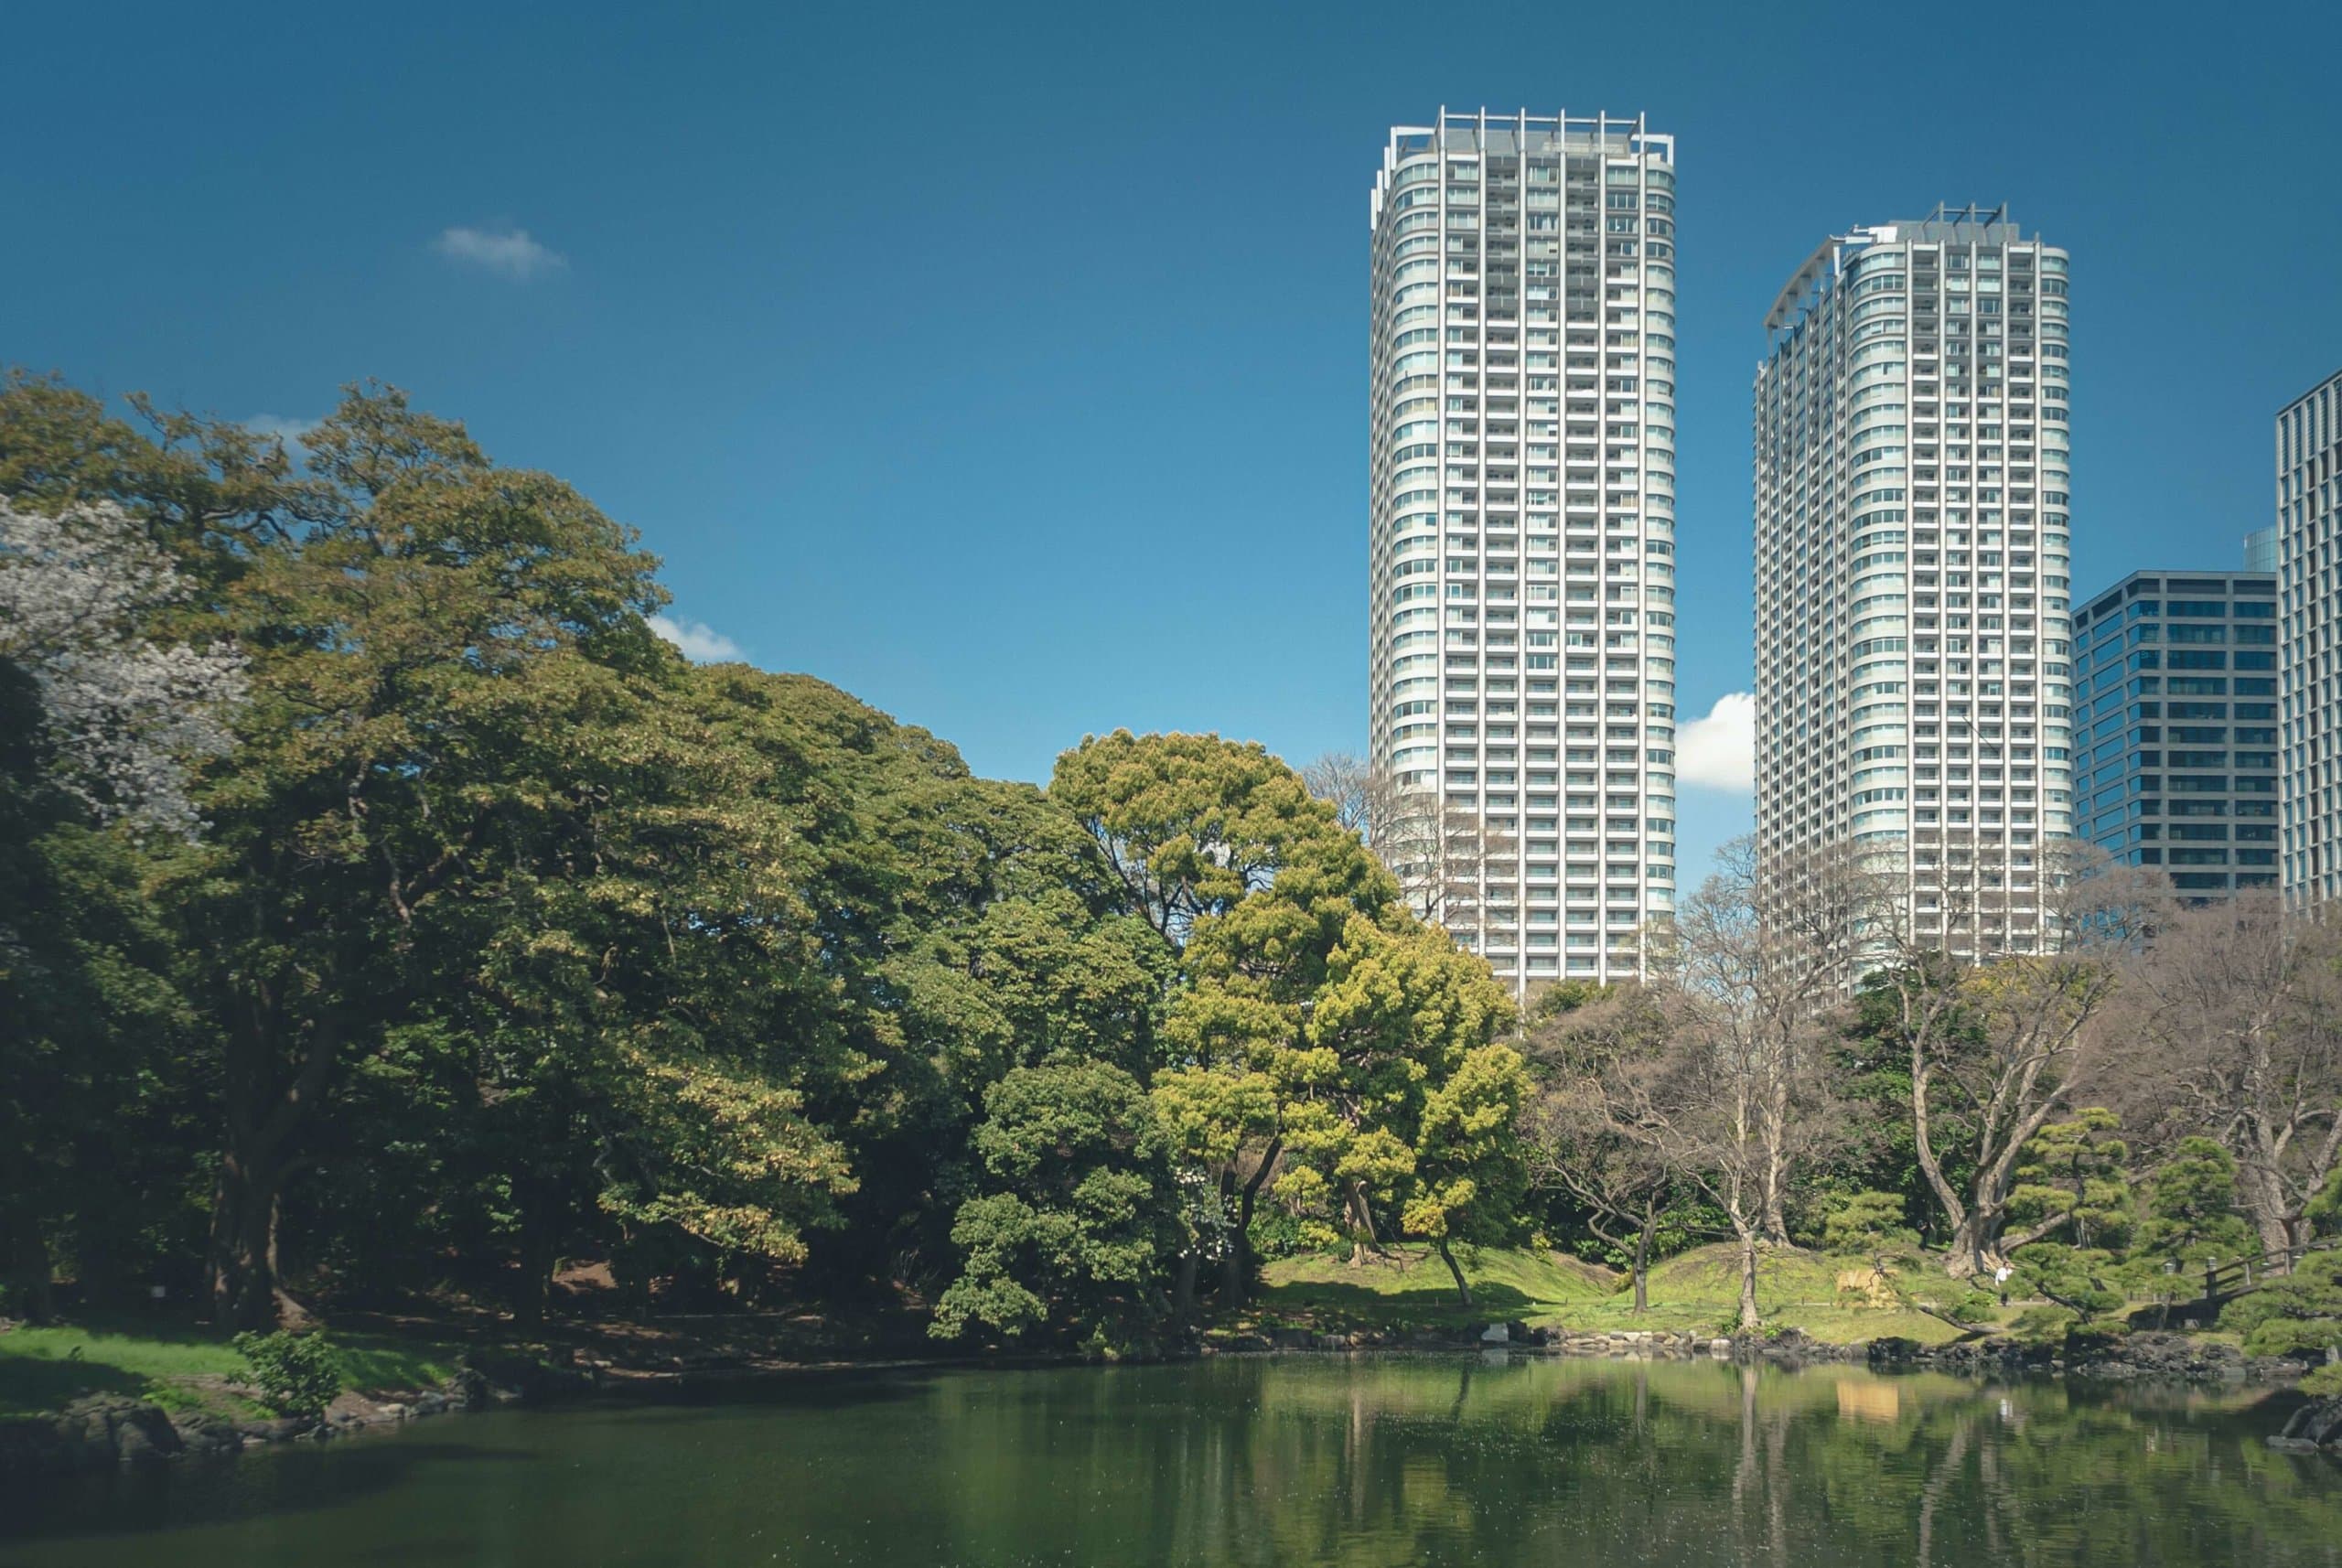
[{"x": 1913, "y": 473}]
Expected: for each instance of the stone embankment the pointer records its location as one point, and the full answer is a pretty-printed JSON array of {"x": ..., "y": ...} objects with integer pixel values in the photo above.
[
  {"x": 104, "y": 1430},
  {"x": 2317, "y": 1424},
  {"x": 2173, "y": 1357},
  {"x": 1648, "y": 1344}
]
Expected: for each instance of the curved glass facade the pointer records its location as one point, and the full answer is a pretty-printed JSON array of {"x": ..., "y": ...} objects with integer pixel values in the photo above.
[{"x": 1914, "y": 664}]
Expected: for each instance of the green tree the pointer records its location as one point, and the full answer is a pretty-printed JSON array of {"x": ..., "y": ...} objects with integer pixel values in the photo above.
[
  {"x": 1317, "y": 1036},
  {"x": 1401, "y": 1094},
  {"x": 2073, "y": 1172},
  {"x": 1078, "y": 1223},
  {"x": 1252, "y": 883},
  {"x": 482, "y": 843},
  {"x": 2297, "y": 1315},
  {"x": 424, "y": 654},
  {"x": 1866, "y": 1223},
  {"x": 2072, "y": 1182},
  {"x": 2191, "y": 1211},
  {"x": 2325, "y": 1210}
]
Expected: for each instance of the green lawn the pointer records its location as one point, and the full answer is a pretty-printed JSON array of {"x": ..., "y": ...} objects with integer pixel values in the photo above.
[
  {"x": 43, "y": 1369},
  {"x": 1695, "y": 1290},
  {"x": 1409, "y": 1288}
]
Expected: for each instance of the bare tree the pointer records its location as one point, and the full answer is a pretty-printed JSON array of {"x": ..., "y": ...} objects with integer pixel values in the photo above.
[
  {"x": 1727, "y": 1103},
  {"x": 1361, "y": 795},
  {"x": 2000, "y": 1042},
  {"x": 1581, "y": 1126},
  {"x": 2235, "y": 1013},
  {"x": 1454, "y": 867}
]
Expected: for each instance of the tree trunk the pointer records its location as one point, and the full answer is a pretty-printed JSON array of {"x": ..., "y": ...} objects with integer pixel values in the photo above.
[
  {"x": 1183, "y": 1288},
  {"x": 1774, "y": 1129},
  {"x": 630, "y": 1267},
  {"x": 533, "y": 1291},
  {"x": 1642, "y": 1267},
  {"x": 1362, "y": 1215},
  {"x": 24, "y": 1266},
  {"x": 1448, "y": 1256},
  {"x": 1923, "y": 1144},
  {"x": 2264, "y": 1200},
  {"x": 1236, "y": 1268},
  {"x": 244, "y": 1244},
  {"x": 266, "y": 1108},
  {"x": 1749, "y": 1315},
  {"x": 1975, "y": 1249}
]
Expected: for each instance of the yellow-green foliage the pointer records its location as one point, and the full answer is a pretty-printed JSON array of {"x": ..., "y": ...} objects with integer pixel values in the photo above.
[{"x": 1694, "y": 1290}]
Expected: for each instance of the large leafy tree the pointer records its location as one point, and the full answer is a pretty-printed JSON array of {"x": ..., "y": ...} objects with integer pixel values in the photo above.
[
  {"x": 1400, "y": 1094},
  {"x": 1248, "y": 882},
  {"x": 480, "y": 831},
  {"x": 962, "y": 928},
  {"x": 1319, "y": 1036},
  {"x": 424, "y": 654},
  {"x": 109, "y": 691}
]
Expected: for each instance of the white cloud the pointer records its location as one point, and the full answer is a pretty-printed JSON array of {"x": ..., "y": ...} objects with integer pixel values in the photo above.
[
  {"x": 511, "y": 251},
  {"x": 1720, "y": 750},
  {"x": 292, "y": 431},
  {"x": 699, "y": 641}
]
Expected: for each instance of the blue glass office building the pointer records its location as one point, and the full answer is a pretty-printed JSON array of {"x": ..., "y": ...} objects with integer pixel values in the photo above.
[{"x": 2175, "y": 726}]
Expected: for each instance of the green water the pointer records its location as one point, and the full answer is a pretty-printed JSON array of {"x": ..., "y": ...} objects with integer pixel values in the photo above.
[{"x": 1365, "y": 1460}]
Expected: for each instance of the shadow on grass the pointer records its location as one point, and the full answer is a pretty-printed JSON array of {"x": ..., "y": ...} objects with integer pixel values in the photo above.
[
  {"x": 1333, "y": 1301},
  {"x": 386, "y": 1362},
  {"x": 166, "y": 1328},
  {"x": 31, "y": 1384}
]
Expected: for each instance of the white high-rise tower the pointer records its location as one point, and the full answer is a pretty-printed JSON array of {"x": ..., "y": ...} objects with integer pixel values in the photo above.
[
  {"x": 2309, "y": 516},
  {"x": 1522, "y": 523},
  {"x": 1914, "y": 676}
]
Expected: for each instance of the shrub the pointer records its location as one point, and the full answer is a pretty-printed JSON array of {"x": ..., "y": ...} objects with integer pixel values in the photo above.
[
  {"x": 2325, "y": 1382},
  {"x": 1976, "y": 1306},
  {"x": 1865, "y": 1222},
  {"x": 296, "y": 1373},
  {"x": 1279, "y": 1233},
  {"x": 2041, "y": 1325},
  {"x": 2325, "y": 1210},
  {"x": 2300, "y": 1314}
]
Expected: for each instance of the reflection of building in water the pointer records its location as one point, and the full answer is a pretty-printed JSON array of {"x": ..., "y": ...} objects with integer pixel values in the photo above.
[{"x": 1865, "y": 1399}]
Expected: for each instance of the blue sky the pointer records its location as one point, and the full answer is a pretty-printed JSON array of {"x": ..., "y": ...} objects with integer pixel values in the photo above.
[{"x": 1006, "y": 365}]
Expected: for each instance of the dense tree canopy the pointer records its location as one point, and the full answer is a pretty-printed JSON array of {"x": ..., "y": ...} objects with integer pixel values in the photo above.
[
  {"x": 386, "y": 910},
  {"x": 488, "y": 932}
]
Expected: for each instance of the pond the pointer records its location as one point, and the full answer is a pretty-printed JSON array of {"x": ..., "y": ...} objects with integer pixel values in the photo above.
[{"x": 1501, "y": 1459}]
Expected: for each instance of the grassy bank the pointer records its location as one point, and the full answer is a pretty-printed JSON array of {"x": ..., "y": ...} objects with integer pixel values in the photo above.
[
  {"x": 1699, "y": 1289},
  {"x": 186, "y": 1368}
]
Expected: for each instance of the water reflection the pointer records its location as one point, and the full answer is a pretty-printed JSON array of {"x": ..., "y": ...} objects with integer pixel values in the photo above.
[{"x": 1244, "y": 1461}]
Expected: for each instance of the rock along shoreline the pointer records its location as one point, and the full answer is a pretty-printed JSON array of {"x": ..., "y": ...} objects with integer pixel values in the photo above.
[{"x": 103, "y": 1433}]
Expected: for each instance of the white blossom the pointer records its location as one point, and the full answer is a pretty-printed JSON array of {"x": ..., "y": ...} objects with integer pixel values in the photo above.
[{"x": 123, "y": 715}]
